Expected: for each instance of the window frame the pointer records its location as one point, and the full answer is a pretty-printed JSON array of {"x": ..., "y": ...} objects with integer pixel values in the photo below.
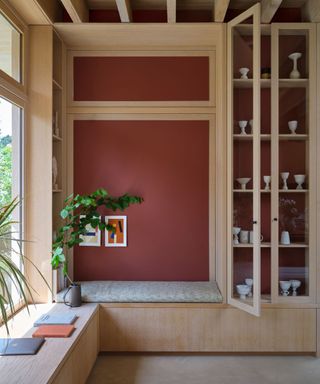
[
  {"x": 6, "y": 81},
  {"x": 16, "y": 93}
]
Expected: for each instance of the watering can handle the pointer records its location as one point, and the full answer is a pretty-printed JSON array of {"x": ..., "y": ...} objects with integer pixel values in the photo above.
[{"x": 65, "y": 295}]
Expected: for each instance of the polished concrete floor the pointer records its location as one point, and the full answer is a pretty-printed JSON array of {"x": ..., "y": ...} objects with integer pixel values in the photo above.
[{"x": 204, "y": 369}]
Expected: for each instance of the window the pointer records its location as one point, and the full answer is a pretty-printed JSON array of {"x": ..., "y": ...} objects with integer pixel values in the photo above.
[
  {"x": 11, "y": 175},
  {"x": 10, "y": 49}
]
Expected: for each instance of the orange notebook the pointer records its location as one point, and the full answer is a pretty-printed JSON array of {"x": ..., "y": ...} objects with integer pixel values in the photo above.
[{"x": 54, "y": 331}]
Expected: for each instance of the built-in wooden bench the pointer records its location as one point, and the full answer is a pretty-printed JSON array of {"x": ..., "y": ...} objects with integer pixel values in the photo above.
[
  {"x": 60, "y": 360},
  {"x": 190, "y": 317}
]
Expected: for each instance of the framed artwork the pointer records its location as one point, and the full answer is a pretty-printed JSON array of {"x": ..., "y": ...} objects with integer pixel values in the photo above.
[
  {"x": 119, "y": 237},
  {"x": 92, "y": 238}
]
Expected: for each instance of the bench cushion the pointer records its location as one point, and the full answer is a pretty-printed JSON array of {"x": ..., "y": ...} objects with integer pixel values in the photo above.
[{"x": 148, "y": 292}]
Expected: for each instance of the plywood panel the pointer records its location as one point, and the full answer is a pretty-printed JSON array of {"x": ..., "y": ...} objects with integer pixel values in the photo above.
[{"x": 206, "y": 330}]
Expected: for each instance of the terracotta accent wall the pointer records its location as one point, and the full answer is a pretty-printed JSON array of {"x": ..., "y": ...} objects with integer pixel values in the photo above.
[
  {"x": 166, "y": 162},
  {"x": 141, "y": 78}
]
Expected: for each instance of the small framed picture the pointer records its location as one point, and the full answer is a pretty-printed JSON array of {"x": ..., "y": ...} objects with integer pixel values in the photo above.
[
  {"x": 92, "y": 238},
  {"x": 118, "y": 238}
]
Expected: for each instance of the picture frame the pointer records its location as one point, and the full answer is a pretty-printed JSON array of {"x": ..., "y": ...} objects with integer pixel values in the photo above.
[
  {"x": 119, "y": 238},
  {"x": 92, "y": 237}
]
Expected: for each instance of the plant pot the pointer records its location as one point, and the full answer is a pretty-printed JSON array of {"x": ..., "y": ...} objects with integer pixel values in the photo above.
[{"x": 74, "y": 295}]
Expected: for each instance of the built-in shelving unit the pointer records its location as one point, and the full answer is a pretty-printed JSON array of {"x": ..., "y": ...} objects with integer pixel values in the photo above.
[
  {"x": 58, "y": 144},
  {"x": 263, "y": 146}
]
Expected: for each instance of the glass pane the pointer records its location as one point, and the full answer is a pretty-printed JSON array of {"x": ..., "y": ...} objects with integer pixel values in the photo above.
[
  {"x": 11, "y": 176},
  {"x": 243, "y": 162},
  {"x": 293, "y": 164},
  {"x": 10, "y": 49}
]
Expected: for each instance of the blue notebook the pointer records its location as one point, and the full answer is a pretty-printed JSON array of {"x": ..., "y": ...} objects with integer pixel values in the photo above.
[
  {"x": 22, "y": 346},
  {"x": 55, "y": 319}
]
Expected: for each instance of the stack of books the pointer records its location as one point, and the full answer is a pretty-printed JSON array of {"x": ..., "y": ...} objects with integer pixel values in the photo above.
[{"x": 55, "y": 325}]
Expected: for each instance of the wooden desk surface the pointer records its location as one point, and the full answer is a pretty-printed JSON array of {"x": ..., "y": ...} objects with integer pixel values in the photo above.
[{"x": 43, "y": 367}]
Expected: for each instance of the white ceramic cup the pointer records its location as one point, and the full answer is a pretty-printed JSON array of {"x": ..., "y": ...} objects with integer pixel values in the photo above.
[
  {"x": 285, "y": 238},
  {"x": 244, "y": 237},
  {"x": 251, "y": 237}
]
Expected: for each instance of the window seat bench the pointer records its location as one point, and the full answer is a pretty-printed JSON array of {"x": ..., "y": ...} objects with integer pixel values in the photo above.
[
  {"x": 148, "y": 292},
  {"x": 59, "y": 360}
]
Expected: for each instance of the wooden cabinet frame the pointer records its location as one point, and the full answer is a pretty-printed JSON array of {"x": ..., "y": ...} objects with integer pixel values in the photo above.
[{"x": 313, "y": 140}]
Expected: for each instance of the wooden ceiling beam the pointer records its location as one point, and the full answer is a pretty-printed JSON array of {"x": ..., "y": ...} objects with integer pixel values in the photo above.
[
  {"x": 311, "y": 11},
  {"x": 124, "y": 9},
  {"x": 171, "y": 11},
  {"x": 77, "y": 10},
  {"x": 220, "y": 10},
  {"x": 268, "y": 9}
]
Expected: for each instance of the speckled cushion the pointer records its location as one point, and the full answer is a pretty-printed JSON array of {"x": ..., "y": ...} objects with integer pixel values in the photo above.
[{"x": 148, "y": 292}]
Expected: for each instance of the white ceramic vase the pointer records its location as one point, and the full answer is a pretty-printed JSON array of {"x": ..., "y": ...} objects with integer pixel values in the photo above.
[{"x": 295, "y": 74}]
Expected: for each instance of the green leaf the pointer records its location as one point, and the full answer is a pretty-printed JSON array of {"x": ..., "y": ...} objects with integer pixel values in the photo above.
[{"x": 64, "y": 213}]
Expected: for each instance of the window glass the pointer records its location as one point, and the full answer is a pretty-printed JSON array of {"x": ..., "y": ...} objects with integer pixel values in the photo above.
[
  {"x": 10, "y": 49},
  {"x": 11, "y": 156}
]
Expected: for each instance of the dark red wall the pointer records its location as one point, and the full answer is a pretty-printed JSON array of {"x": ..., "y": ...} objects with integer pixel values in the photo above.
[
  {"x": 166, "y": 162},
  {"x": 141, "y": 78}
]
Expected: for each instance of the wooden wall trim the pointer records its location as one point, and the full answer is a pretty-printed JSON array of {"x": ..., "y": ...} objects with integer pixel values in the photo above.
[
  {"x": 150, "y": 53},
  {"x": 137, "y": 36},
  {"x": 213, "y": 172}
]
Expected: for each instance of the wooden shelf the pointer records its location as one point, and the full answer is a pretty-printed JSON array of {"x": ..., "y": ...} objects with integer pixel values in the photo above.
[
  {"x": 293, "y": 191},
  {"x": 248, "y": 83},
  {"x": 294, "y": 137},
  {"x": 249, "y": 136},
  {"x": 56, "y": 138},
  {"x": 243, "y": 190},
  {"x": 56, "y": 190},
  {"x": 56, "y": 85},
  {"x": 266, "y": 83},
  {"x": 293, "y": 83},
  {"x": 249, "y": 245},
  {"x": 294, "y": 245}
]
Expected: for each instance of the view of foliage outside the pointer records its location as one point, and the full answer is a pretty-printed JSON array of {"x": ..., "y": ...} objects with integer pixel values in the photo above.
[{"x": 5, "y": 153}]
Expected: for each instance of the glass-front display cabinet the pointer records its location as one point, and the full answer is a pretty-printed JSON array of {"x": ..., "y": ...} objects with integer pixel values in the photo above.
[{"x": 271, "y": 144}]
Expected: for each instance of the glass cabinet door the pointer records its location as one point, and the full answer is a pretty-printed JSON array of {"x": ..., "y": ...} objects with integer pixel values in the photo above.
[
  {"x": 293, "y": 167},
  {"x": 244, "y": 161}
]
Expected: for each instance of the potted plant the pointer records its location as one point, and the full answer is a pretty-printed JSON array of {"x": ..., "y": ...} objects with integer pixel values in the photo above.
[
  {"x": 11, "y": 274},
  {"x": 79, "y": 212}
]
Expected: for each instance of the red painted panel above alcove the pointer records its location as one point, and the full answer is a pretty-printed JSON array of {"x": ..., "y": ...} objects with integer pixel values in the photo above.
[
  {"x": 153, "y": 78},
  {"x": 166, "y": 162}
]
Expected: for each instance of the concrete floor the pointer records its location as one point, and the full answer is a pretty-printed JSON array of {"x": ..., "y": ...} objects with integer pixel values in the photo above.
[{"x": 204, "y": 369}]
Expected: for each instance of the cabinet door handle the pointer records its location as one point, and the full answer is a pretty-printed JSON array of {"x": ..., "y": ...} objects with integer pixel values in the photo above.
[
  {"x": 275, "y": 219},
  {"x": 254, "y": 222}
]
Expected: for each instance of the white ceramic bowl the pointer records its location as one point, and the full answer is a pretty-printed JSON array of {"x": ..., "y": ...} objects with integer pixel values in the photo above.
[
  {"x": 285, "y": 285},
  {"x": 243, "y": 181},
  {"x": 295, "y": 283},
  {"x": 243, "y": 290},
  {"x": 299, "y": 179}
]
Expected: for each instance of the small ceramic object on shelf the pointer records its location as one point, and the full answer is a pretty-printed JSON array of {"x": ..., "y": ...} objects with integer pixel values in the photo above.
[
  {"x": 293, "y": 125},
  {"x": 243, "y": 181},
  {"x": 242, "y": 125},
  {"x": 284, "y": 177},
  {"x": 243, "y": 290},
  {"x": 244, "y": 237},
  {"x": 251, "y": 125},
  {"x": 267, "y": 180},
  {"x": 249, "y": 283},
  {"x": 54, "y": 173},
  {"x": 244, "y": 73},
  {"x": 251, "y": 237},
  {"x": 299, "y": 179},
  {"x": 295, "y": 74},
  {"x": 266, "y": 73},
  {"x": 285, "y": 286},
  {"x": 295, "y": 284},
  {"x": 236, "y": 231},
  {"x": 285, "y": 238}
]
